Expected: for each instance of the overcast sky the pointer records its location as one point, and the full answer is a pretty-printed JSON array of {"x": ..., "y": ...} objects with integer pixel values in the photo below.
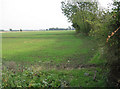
[{"x": 34, "y": 14}]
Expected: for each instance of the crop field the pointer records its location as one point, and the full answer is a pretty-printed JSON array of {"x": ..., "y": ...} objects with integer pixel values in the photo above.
[{"x": 51, "y": 59}]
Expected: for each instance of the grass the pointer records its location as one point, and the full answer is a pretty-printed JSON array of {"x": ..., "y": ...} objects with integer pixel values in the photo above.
[{"x": 55, "y": 57}]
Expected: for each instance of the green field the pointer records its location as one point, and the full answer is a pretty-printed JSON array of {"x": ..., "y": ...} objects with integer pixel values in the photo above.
[{"x": 50, "y": 58}]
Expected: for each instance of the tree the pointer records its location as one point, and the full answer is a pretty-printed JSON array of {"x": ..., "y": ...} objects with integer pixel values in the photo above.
[
  {"x": 10, "y": 29},
  {"x": 80, "y": 14},
  {"x": 20, "y": 30}
]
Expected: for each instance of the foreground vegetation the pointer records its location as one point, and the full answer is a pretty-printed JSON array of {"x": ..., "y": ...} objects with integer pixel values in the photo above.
[{"x": 52, "y": 59}]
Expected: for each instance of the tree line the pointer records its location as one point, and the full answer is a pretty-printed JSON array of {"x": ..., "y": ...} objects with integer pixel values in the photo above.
[{"x": 104, "y": 25}]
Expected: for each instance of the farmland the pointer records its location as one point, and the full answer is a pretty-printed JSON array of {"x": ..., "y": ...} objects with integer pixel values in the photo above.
[{"x": 51, "y": 58}]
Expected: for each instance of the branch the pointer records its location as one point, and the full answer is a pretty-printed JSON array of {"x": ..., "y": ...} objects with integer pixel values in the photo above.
[{"x": 109, "y": 36}]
